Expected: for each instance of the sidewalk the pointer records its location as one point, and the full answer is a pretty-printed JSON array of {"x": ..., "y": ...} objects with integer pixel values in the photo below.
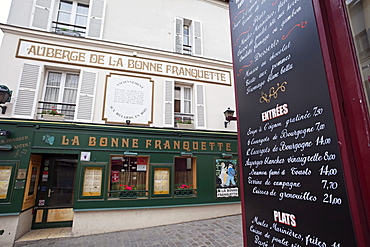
[{"x": 218, "y": 232}]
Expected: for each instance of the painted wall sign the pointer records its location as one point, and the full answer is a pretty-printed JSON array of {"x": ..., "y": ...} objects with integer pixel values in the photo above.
[
  {"x": 294, "y": 189},
  {"x": 83, "y": 57},
  {"x": 128, "y": 99}
]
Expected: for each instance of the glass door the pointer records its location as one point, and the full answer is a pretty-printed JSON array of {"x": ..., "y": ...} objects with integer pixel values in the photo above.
[{"x": 54, "y": 203}]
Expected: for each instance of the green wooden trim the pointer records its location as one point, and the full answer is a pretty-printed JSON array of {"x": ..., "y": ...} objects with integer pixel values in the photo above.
[
  {"x": 9, "y": 214},
  {"x": 44, "y": 123},
  {"x": 152, "y": 180},
  {"x": 81, "y": 175},
  {"x": 14, "y": 167},
  {"x": 155, "y": 207}
]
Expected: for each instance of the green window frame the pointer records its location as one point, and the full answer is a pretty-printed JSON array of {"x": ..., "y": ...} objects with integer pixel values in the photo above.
[
  {"x": 162, "y": 180},
  {"x": 7, "y": 171},
  {"x": 92, "y": 177}
]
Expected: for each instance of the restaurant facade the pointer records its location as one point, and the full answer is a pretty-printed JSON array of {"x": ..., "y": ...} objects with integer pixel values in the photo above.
[{"x": 109, "y": 124}]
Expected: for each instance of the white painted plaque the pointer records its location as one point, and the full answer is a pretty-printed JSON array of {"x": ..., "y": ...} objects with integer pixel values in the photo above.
[{"x": 128, "y": 99}]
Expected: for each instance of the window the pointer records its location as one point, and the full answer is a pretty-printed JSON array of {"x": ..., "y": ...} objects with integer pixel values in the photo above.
[
  {"x": 72, "y": 18},
  {"x": 60, "y": 93},
  {"x": 183, "y": 104},
  {"x": 185, "y": 183},
  {"x": 188, "y": 38},
  {"x": 128, "y": 177}
]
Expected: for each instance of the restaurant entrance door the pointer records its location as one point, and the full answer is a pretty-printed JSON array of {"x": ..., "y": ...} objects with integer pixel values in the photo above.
[{"x": 54, "y": 203}]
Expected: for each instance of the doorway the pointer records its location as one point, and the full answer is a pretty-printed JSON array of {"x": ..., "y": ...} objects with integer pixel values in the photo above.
[{"x": 54, "y": 201}]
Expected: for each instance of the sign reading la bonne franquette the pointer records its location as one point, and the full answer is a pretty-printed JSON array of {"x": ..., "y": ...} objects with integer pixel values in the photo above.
[
  {"x": 128, "y": 98},
  {"x": 104, "y": 60}
]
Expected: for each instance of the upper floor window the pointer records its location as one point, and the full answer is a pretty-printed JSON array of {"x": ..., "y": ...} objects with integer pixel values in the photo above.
[
  {"x": 183, "y": 105},
  {"x": 72, "y": 18},
  {"x": 81, "y": 18},
  {"x": 60, "y": 93},
  {"x": 188, "y": 38}
]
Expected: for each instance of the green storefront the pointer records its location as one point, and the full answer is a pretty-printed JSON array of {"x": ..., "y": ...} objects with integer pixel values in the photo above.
[{"x": 69, "y": 174}]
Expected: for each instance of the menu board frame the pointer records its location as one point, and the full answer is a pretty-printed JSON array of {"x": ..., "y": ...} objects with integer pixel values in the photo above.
[
  {"x": 10, "y": 183},
  {"x": 284, "y": 76},
  {"x": 88, "y": 178},
  {"x": 160, "y": 179}
]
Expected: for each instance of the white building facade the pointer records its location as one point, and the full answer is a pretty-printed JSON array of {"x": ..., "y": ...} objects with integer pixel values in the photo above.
[{"x": 116, "y": 96}]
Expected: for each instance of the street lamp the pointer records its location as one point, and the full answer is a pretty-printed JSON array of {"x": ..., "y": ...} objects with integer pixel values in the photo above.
[
  {"x": 5, "y": 96},
  {"x": 229, "y": 116}
]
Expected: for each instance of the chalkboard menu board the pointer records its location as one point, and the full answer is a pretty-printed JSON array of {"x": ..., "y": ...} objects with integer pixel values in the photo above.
[{"x": 294, "y": 188}]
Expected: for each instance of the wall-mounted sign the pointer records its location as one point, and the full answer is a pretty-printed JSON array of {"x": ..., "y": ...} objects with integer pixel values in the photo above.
[
  {"x": 293, "y": 184},
  {"x": 227, "y": 179},
  {"x": 128, "y": 100},
  {"x": 92, "y": 181},
  {"x": 82, "y": 57}
]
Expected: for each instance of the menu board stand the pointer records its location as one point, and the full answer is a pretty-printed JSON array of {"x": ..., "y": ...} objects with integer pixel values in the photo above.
[{"x": 294, "y": 192}]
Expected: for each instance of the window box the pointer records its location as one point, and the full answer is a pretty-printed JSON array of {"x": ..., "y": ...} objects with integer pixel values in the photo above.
[
  {"x": 184, "y": 192},
  {"x": 185, "y": 126},
  {"x": 59, "y": 118}
]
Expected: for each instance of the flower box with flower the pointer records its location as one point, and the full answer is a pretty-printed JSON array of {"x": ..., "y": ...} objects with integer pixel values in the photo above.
[
  {"x": 52, "y": 115},
  {"x": 184, "y": 190},
  {"x": 127, "y": 191}
]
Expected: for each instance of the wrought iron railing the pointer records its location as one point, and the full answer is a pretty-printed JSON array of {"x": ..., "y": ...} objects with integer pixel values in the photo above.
[
  {"x": 185, "y": 192},
  {"x": 67, "y": 109},
  {"x": 128, "y": 194},
  {"x": 68, "y": 29},
  {"x": 184, "y": 118}
]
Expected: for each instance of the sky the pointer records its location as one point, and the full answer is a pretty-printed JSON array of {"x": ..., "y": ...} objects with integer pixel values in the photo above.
[{"x": 4, "y": 10}]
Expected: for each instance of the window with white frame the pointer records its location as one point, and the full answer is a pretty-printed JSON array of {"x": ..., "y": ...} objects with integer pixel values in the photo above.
[
  {"x": 183, "y": 104},
  {"x": 81, "y": 18},
  {"x": 188, "y": 38},
  {"x": 72, "y": 18},
  {"x": 60, "y": 94}
]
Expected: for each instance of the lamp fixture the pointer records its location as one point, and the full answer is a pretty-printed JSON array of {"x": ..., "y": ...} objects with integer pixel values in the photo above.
[
  {"x": 6, "y": 147},
  {"x": 128, "y": 153},
  {"x": 229, "y": 116},
  {"x": 185, "y": 154},
  {"x": 227, "y": 156},
  {"x": 5, "y": 96},
  {"x": 4, "y": 132}
]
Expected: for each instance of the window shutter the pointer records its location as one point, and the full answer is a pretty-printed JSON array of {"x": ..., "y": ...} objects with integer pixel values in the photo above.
[
  {"x": 200, "y": 111},
  {"x": 168, "y": 103},
  {"x": 96, "y": 17},
  {"x": 26, "y": 95},
  {"x": 85, "y": 101},
  {"x": 179, "y": 26},
  {"x": 198, "y": 44},
  {"x": 41, "y": 14}
]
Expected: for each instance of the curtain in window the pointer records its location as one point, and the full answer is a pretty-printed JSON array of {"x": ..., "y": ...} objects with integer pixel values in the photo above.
[
  {"x": 70, "y": 91},
  {"x": 53, "y": 86}
]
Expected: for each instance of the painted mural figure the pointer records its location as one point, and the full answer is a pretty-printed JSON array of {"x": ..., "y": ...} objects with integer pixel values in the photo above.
[
  {"x": 230, "y": 175},
  {"x": 223, "y": 174}
]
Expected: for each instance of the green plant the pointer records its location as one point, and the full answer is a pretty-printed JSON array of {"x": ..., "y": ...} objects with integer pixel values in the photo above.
[{"x": 53, "y": 111}]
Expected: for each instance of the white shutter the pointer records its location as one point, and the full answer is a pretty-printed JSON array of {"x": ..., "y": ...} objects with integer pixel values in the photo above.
[
  {"x": 41, "y": 14},
  {"x": 168, "y": 103},
  {"x": 96, "y": 17},
  {"x": 27, "y": 90},
  {"x": 198, "y": 44},
  {"x": 200, "y": 107},
  {"x": 179, "y": 26},
  {"x": 85, "y": 100}
]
